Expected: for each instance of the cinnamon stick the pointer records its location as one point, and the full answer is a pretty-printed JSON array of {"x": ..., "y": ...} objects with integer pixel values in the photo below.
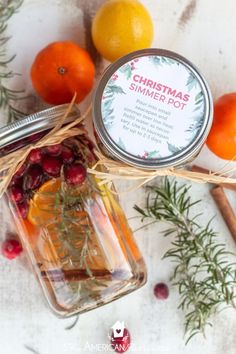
[
  {"x": 225, "y": 208},
  {"x": 55, "y": 275},
  {"x": 196, "y": 168}
]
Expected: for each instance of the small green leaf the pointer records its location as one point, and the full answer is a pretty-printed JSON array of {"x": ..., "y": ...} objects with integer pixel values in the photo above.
[
  {"x": 121, "y": 144},
  {"x": 199, "y": 96},
  {"x": 174, "y": 149}
]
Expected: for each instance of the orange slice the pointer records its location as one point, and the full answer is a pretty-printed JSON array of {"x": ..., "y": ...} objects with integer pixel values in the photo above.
[
  {"x": 43, "y": 206},
  {"x": 31, "y": 231}
]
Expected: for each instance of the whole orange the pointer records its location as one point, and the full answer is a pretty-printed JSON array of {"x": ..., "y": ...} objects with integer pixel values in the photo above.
[
  {"x": 120, "y": 27},
  {"x": 60, "y": 70},
  {"x": 222, "y": 137}
]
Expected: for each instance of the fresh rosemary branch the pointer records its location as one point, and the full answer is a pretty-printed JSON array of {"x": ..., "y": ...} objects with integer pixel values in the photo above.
[
  {"x": 206, "y": 280},
  {"x": 7, "y": 95},
  {"x": 72, "y": 226}
]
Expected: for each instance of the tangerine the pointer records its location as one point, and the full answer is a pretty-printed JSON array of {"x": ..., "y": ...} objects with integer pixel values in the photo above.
[
  {"x": 31, "y": 231},
  {"x": 60, "y": 70},
  {"x": 222, "y": 137},
  {"x": 42, "y": 207}
]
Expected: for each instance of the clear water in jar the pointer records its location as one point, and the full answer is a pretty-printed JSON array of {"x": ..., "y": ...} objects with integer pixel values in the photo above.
[{"x": 74, "y": 230}]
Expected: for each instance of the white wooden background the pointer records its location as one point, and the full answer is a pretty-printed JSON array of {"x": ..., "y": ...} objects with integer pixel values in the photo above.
[{"x": 203, "y": 31}]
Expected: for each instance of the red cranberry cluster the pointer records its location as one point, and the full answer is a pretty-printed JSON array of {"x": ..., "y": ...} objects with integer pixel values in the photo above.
[{"x": 43, "y": 164}]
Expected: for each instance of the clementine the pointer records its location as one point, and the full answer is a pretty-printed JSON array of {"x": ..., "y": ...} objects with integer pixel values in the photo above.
[
  {"x": 60, "y": 70},
  {"x": 42, "y": 205},
  {"x": 31, "y": 231},
  {"x": 222, "y": 137}
]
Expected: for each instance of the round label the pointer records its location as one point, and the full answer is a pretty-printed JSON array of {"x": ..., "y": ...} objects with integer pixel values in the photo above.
[{"x": 153, "y": 107}]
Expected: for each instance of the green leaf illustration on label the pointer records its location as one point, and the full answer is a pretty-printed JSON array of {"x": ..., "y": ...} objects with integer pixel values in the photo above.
[
  {"x": 160, "y": 61},
  {"x": 151, "y": 154},
  {"x": 199, "y": 100},
  {"x": 107, "y": 111},
  {"x": 174, "y": 149},
  {"x": 121, "y": 144},
  {"x": 191, "y": 82},
  {"x": 113, "y": 89},
  {"x": 107, "y": 103},
  {"x": 126, "y": 70},
  {"x": 198, "y": 120},
  {"x": 196, "y": 125}
]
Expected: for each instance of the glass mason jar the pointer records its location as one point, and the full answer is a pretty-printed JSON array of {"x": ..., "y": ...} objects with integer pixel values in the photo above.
[{"x": 73, "y": 230}]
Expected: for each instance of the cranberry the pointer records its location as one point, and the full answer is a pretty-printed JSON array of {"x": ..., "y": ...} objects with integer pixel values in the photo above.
[
  {"x": 14, "y": 146},
  {"x": 74, "y": 174},
  {"x": 11, "y": 248},
  {"x": 22, "y": 209},
  {"x": 35, "y": 156},
  {"x": 53, "y": 150},
  {"x": 33, "y": 178},
  {"x": 52, "y": 165},
  {"x": 35, "y": 137},
  {"x": 16, "y": 194},
  {"x": 16, "y": 181},
  {"x": 161, "y": 291},
  {"x": 121, "y": 344},
  {"x": 21, "y": 170},
  {"x": 67, "y": 155}
]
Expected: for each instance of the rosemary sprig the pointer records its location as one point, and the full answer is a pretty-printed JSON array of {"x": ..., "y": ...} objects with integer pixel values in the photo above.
[
  {"x": 72, "y": 226},
  {"x": 8, "y": 96},
  {"x": 205, "y": 278}
]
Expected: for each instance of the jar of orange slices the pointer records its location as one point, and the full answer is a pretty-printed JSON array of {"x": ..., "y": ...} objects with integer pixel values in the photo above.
[{"x": 73, "y": 229}]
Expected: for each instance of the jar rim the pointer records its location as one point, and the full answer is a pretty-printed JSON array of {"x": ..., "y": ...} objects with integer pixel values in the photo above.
[
  {"x": 175, "y": 159},
  {"x": 35, "y": 123}
]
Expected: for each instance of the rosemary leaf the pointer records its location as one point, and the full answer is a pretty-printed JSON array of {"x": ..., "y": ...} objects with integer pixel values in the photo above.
[
  {"x": 206, "y": 280},
  {"x": 69, "y": 221},
  {"x": 7, "y": 95}
]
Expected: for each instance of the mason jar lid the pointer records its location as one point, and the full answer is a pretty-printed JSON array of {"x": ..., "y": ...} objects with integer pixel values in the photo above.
[
  {"x": 152, "y": 108},
  {"x": 35, "y": 123}
]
